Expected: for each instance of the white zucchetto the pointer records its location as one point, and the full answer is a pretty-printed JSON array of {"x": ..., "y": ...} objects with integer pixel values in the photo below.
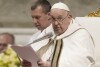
[{"x": 60, "y": 5}]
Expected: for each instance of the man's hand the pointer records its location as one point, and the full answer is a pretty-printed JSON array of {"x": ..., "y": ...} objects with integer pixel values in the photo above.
[
  {"x": 44, "y": 63},
  {"x": 26, "y": 63}
]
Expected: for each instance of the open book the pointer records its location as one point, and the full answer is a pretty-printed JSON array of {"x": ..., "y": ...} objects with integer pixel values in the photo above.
[{"x": 27, "y": 53}]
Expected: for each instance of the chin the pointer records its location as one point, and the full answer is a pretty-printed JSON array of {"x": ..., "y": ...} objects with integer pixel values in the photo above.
[
  {"x": 58, "y": 33},
  {"x": 39, "y": 28}
]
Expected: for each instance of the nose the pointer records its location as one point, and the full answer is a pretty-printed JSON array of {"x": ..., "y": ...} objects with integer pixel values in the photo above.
[{"x": 56, "y": 23}]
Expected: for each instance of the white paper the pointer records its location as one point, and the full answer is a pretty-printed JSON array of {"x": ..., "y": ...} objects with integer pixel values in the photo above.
[{"x": 27, "y": 53}]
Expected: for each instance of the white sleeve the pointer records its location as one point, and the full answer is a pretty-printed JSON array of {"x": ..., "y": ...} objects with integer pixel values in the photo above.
[
  {"x": 83, "y": 56},
  {"x": 34, "y": 37}
]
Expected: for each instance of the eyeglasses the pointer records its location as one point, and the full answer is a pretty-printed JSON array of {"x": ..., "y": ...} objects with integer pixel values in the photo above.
[{"x": 59, "y": 19}]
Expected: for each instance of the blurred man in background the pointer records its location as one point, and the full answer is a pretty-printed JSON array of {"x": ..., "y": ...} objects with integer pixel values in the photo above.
[
  {"x": 8, "y": 57},
  {"x": 5, "y": 39}
]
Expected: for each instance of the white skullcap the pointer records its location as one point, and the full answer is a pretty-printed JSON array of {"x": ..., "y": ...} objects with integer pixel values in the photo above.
[{"x": 60, "y": 5}]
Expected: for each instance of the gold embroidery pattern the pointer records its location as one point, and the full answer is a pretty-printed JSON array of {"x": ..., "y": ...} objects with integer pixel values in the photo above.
[
  {"x": 57, "y": 52},
  {"x": 95, "y": 14}
]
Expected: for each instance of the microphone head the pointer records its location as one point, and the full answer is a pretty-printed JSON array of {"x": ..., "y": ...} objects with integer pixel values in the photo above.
[
  {"x": 42, "y": 38},
  {"x": 49, "y": 35}
]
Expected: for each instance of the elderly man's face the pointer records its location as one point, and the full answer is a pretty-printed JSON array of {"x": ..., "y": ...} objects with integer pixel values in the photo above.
[
  {"x": 40, "y": 19},
  {"x": 61, "y": 20}
]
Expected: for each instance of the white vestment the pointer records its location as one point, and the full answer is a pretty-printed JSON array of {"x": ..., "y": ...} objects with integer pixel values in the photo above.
[
  {"x": 40, "y": 34},
  {"x": 77, "y": 50}
]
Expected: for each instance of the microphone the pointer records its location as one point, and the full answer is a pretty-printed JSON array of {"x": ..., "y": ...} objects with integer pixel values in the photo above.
[{"x": 42, "y": 38}]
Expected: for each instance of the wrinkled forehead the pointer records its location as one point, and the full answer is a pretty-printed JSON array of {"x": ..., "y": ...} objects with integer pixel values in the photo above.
[{"x": 57, "y": 11}]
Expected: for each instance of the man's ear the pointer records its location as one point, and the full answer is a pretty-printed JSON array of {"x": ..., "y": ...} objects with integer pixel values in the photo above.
[
  {"x": 70, "y": 16},
  {"x": 48, "y": 13},
  {"x": 49, "y": 16}
]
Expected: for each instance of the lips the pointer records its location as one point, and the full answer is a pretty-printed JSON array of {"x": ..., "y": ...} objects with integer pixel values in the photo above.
[
  {"x": 37, "y": 26},
  {"x": 57, "y": 28}
]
